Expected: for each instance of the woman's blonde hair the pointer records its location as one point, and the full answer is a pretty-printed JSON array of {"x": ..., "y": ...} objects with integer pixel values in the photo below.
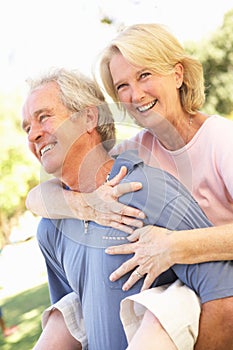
[
  {"x": 152, "y": 46},
  {"x": 78, "y": 92}
]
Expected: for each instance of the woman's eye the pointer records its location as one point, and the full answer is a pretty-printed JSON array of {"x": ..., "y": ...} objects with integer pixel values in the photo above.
[
  {"x": 144, "y": 75},
  {"x": 119, "y": 87}
]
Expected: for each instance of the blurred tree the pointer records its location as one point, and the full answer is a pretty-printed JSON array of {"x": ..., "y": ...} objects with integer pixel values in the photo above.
[
  {"x": 18, "y": 172},
  {"x": 216, "y": 55}
]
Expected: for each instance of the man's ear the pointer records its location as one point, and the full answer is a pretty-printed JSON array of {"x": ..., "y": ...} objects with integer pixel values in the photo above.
[{"x": 92, "y": 118}]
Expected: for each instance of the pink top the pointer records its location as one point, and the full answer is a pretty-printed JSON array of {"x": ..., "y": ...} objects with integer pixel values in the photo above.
[{"x": 204, "y": 165}]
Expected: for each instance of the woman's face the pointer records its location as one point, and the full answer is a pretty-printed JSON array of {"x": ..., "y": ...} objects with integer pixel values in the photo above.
[{"x": 147, "y": 96}]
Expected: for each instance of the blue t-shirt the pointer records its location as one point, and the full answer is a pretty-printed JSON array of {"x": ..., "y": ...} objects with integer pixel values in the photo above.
[{"x": 76, "y": 259}]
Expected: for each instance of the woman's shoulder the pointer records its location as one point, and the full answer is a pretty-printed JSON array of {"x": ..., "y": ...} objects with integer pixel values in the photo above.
[
  {"x": 214, "y": 122},
  {"x": 216, "y": 128},
  {"x": 215, "y": 135},
  {"x": 142, "y": 139}
]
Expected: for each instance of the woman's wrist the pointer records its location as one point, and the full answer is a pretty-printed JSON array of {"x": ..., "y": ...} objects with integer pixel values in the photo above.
[
  {"x": 79, "y": 205},
  {"x": 192, "y": 246},
  {"x": 179, "y": 247}
]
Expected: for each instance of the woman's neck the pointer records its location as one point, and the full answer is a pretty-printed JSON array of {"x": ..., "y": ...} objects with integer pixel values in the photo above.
[{"x": 176, "y": 134}]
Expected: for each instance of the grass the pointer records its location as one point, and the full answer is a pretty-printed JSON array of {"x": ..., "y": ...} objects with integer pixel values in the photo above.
[{"x": 24, "y": 310}]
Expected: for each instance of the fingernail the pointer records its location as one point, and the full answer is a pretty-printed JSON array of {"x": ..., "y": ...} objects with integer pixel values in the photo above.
[
  {"x": 138, "y": 185},
  {"x": 125, "y": 288},
  {"x": 111, "y": 278},
  {"x": 141, "y": 215}
]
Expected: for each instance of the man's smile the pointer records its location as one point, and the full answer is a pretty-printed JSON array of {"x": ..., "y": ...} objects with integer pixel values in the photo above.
[{"x": 47, "y": 148}]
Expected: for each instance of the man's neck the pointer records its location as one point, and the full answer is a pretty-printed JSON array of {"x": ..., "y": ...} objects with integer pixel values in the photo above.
[{"x": 89, "y": 174}]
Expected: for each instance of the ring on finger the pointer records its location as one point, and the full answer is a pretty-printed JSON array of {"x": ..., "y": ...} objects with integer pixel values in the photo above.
[{"x": 138, "y": 274}]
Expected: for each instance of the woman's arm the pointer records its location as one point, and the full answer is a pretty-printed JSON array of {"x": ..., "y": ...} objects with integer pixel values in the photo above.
[
  {"x": 51, "y": 200},
  {"x": 156, "y": 249}
]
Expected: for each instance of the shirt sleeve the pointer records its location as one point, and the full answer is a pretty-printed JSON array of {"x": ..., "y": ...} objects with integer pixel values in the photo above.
[{"x": 58, "y": 284}]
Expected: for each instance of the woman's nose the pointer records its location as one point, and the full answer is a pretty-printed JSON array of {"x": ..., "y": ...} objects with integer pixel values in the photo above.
[{"x": 137, "y": 94}]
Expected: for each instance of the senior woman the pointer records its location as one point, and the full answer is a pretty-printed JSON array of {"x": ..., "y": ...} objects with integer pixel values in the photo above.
[{"x": 162, "y": 88}]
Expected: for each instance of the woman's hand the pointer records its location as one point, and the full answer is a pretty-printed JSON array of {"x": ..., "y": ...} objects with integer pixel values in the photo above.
[
  {"x": 151, "y": 247},
  {"x": 102, "y": 205},
  {"x": 51, "y": 200}
]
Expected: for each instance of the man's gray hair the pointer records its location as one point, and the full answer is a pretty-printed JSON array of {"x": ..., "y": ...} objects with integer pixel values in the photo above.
[{"x": 77, "y": 93}]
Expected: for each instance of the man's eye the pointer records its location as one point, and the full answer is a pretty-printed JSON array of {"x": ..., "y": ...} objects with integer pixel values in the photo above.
[
  {"x": 27, "y": 129},
  {"x": 44, "y": 117}
]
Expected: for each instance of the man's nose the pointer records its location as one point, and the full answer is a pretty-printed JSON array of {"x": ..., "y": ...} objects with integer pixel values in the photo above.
[{"x": 35, "y": 132}]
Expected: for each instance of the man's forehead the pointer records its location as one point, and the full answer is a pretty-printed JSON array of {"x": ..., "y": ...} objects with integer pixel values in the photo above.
[
  {"x": 50, "y": 90},
  {"x": 42, "y": 97}
]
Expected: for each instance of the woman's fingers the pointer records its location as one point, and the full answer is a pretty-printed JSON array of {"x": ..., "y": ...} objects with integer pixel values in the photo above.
[
  {"x": 125, "y": 223},
  {"x": 105, "y": 209},
  {"x": 125, "y": 187},
  {"x": 116, "y": 180},
  {"x": 120, "y": 249},
  {"x": 149, "y": 279},
  {"x": 122, "y": 270},
  {"x": 120, "y": 189},
  {"x": 151, "y": 256},
  {"x": 138, "y": 271}
]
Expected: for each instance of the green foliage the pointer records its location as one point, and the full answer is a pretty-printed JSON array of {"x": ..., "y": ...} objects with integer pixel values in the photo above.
[
  {"x": 106, "y": 20},
  {"x": 17, "y": 171},
  {"x": 216, "y": 55}
]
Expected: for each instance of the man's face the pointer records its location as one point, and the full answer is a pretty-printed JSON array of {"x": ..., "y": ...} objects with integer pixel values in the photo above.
[{"x": 51, "y": 131}]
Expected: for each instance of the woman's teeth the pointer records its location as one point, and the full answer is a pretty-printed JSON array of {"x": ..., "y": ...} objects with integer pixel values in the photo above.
[{"x": 147, "y": 107}]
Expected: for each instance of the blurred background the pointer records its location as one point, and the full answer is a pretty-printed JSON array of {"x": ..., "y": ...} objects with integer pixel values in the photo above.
[{"x": 35, "y": 35}]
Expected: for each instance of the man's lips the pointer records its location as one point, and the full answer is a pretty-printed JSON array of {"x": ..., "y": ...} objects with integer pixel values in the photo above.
[{"x": 147, "y": 106}]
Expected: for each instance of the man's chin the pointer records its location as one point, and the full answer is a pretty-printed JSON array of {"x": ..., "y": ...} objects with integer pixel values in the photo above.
[{"x": 51, "y": 169}]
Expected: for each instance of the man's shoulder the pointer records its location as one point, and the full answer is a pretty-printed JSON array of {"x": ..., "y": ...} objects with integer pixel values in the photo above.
[{"x": 135, "y": 164}]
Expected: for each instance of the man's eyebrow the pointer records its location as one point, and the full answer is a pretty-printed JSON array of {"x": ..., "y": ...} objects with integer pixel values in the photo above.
[
  {"x": 36, "y": 114},
  {"x": 42, "y": 110}
]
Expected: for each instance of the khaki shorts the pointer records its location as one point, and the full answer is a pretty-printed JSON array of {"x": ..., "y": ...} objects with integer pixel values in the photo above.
[
  {"x": 176, "y": 307},
  {"x": 71, "y": 310}
]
